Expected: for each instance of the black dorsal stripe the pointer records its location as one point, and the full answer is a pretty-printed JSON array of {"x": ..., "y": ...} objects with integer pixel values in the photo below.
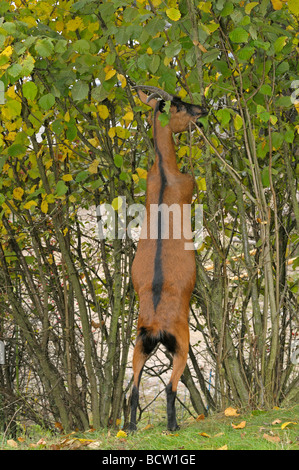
[{"x": 158, "y": 279}]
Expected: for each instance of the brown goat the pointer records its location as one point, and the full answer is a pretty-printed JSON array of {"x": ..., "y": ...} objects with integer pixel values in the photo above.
[{"x": 163, "y": 271}]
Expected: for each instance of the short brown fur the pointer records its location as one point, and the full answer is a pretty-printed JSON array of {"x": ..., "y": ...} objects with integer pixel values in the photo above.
[{"x": 169, "y": 320}]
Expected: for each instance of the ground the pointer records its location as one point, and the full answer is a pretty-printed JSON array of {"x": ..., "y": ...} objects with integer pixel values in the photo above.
[{"x": 276, "y": 429}]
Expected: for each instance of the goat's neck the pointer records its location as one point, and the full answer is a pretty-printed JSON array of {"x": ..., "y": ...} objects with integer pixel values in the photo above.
[{"x": 164, "y": 148}]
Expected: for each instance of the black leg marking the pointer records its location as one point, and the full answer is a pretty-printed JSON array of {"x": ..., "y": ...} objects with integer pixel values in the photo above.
[
  {"x": 158, "y": 279},
  {"x": 134, "y": 404},
  {"x": 171, "y": 416}
]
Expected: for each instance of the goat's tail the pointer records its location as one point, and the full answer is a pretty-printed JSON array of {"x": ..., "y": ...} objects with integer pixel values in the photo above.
[{"x": 150, "y": 338}]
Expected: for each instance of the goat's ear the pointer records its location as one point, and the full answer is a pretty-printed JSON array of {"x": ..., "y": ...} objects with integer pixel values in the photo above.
[{"x": 143, "y": 97}]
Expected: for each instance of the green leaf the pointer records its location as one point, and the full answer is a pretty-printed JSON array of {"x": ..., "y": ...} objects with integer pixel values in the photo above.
[
  {"x": 83, "y": 175},
  {"x": 118, "y": 160},
  {"x": 47, "y": 101},
  {"x": 284, "y": 101},
  {"x": 280, "y": 43},
  {"x": 245, "y": 53},
  {"x": 124, "y": 177},
  {"x": 14, "y": 107},
  {"x": 289, "y": 136},
  {"x": 265, "y": 116},
  {"x": 228, "y": 9},
  {"x": 238, "y": 35},
  {"x": 164, "y": 119},
  {"x": 44, "y": 47},
  {"x": 80, "y": 90},
  {"x": 29, "y": 90},
  {"x": 71, "y": 132},
  {"x": 15, "y": 70},
  {"x": 173, "y": 49},
  {"x": 58, "y": 126},
  {"x": 81, "y": 46},
  {"x": 61, "y": 188},
  {"x": 224, "y": 116},
  {"x": 142, "y": 184},
  {"x": 154, "y": 63},
  {"x": 2, "y": 199},
  {"x": 210, "y": 56},
  {"x": 277, "y": 140},
  {"x": 266, "y": 90},
  {"x": 16, "y": 149}
]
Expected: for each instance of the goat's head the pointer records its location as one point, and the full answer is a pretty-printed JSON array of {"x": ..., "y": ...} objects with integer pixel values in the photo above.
[{"x": 181, "y": 114}]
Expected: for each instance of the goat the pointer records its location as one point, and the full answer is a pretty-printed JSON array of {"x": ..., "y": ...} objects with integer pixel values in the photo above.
[{"x": 163, "y": 272}]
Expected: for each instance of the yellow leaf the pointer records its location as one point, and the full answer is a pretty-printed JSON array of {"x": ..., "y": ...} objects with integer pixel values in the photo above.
[
  {"x": 72, "y": 198},
  {"x": 293, "y": 6},
  {"x": 239, "y": 426},
  {"x": 103, "y": 111},
  {"x": 223, "y": 447},
  {"x": 205, "y": 6},
  {"x": 250, "y": 6},
  {"x": 201, "y": 183},
  {"x": 67, "y": 116},
  {"x": 116, "y": 204},
  {"x": 29, "y": 20},
  {"x": 72, "y": 25},
  {"x": 204, "y": 434},
  {"x": 44, "y": 207},
  {"x": 29, "y": 204},
  {"x": 121, "y": 434},
  {"x": 277, "y": 4},
  {"x": 142, "y": 173},
  {"x": 18, "y": 193},
  {"x": 67, "y": 177},
  {"x": 110, "y": 74},
  {"x": 111, "y": 132},
  {"x": 288, "y": 424},
  {"x": 65, "y": 231},
  {"x": 129, "y": 116},
  {"x": 93, "y": 168},
  {"x": 122, "y": 80},
  {"x": 238, "y": 122},
  {"x": 50, "y": 198},
  {"x": 231, "y": 412},
  {"x": 173, "y": 14},
  {"x": 7, "y": 51}
]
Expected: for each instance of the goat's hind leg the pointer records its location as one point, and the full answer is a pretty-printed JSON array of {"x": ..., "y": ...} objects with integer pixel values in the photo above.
[
  {"x": 179, "y": 363},
  {"x": 144, "y": 346}
]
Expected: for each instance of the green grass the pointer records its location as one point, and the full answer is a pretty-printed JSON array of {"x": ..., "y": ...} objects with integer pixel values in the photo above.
[{"x": 212, "y": 433}]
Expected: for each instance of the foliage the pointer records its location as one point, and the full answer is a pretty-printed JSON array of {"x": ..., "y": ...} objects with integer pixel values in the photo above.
[{"x": 74, "y": 135}]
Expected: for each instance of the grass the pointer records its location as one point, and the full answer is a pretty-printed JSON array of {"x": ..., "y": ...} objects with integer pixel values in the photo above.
[{"x": 263, "y": 430}]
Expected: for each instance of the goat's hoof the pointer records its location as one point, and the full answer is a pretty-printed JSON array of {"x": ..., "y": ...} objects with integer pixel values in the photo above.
[
  {"x": 176, "y": 427},
  {"x": 132, "y": 428}
]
